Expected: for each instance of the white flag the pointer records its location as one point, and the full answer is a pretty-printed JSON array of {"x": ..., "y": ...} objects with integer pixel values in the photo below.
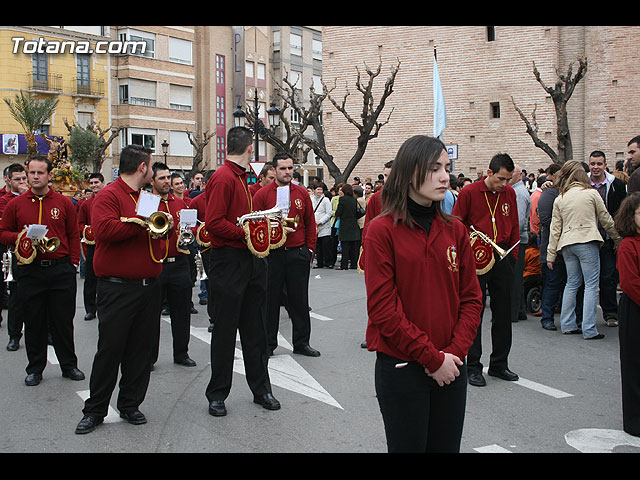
[{"x": 439, "y": 110}]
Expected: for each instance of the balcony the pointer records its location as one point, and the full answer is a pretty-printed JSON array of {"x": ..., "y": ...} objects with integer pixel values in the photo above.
[
  {"x": 88, "y": 88},
  {"x": 50, "y": 82}
]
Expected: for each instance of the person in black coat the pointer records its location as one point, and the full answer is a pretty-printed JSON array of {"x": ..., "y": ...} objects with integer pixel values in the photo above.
[{"x": 349, "y": 231}]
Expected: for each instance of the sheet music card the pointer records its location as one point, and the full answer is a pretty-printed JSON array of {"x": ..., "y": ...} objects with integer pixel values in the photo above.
[
  {"x": 188, "y": 217},
  {"x": 147, "y": 204}
]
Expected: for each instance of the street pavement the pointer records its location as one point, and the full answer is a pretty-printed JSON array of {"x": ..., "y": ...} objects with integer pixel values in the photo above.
[{"x": 567, "y": 399}]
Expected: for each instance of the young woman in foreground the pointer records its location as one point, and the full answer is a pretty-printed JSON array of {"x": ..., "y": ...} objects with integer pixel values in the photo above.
[{"x": 423, "y": 302}]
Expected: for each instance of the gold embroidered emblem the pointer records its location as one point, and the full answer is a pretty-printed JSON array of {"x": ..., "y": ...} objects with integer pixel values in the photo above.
[
  {"x": 55, "y": 213},
  {"x": 452, "y": 256},
  {"x": 506, "y": 209}
]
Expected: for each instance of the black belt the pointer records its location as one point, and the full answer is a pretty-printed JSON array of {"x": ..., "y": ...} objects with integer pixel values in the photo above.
[
  {"x": 129, "y": 281},
  {"x": 48, "y": 263}
]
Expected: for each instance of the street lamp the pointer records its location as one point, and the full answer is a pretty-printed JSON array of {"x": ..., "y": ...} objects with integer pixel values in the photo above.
[
  {"x": 259, "y": 129},
  {"x": 165, "y": 149}
]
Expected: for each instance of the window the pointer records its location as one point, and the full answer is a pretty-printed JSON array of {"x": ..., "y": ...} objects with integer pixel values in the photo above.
[
  {"x": 40, "y": 68},
  {"x": 220, "y": 69},
  {"x": 495, "y": 109},
  {"x": 142, "y": 136},
  {"x": 491, "y": 34},
  {"x": 140, "y": 92},
  {"x": 84, "y": 75},
  {"x": 220, "y": 150},
  {"x": 180, "y": 97},
  {"x": 295, "y": 42},
  {"x": 261, "y": 73},
  {"x": 138, "y": 36},
  {"x": 276, "y": 41},
  {"x": 220, "y": 110},
  {"x": 317, "y": 49},
  {"x": 84, "y": 119},
  {"x": 180, "y": 144},
  {"x": 248, "y": 68},
  {"x": 180, "y": 50}
]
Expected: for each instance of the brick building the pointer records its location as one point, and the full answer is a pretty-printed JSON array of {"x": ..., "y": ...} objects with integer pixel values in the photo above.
[{"x": 481, "y": 68}]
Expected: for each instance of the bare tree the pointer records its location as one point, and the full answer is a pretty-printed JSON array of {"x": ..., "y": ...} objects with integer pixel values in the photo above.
[
  {"x": 560, "y": 94},
  {"x": 199, "y": 143},
  {"x": 308, "y": 134}
]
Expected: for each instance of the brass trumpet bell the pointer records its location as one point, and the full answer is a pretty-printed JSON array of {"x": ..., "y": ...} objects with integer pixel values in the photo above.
[
  {"x": 292, "y": 222},
  {"x": 49, "y": 245},
  {"x": 158, "y": 223}
]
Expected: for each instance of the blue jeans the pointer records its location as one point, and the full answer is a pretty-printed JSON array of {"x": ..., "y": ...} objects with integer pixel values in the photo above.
[{"x": 583, "y": 262}]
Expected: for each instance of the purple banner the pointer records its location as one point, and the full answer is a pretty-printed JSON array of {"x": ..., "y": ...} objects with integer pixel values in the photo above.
[{"x": 16, "y": 144}]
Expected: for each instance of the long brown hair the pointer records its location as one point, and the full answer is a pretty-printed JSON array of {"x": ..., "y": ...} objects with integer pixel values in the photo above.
[
  {"x": 413, "y": 162},
  {"x": 572, "y": 172},
  {"x": 624, "y": 221}
]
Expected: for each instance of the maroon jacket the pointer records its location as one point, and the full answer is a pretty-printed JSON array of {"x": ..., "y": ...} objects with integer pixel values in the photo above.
[
  {"x": 300, "y": 204},
  {"x": 173, "y": 205},
  {"x": 122, "y": 248},
  {"x": 472, "y": 209},
  {"x": 55, "y": 211},
  {"x": 228, "y": 198},
  {"x": 628, "y": 262},
  {"x": 423, "y": 295}
]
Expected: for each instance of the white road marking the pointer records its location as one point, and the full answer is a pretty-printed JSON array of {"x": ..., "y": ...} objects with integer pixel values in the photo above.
[
  {"x": 317, "y": 316},
  {"x": 284, "y": 371},
  {"x": 538, "y": 387},
  {"x": 492, "y": 449},
  {"x": 112, "y": 415},
  {"x": 51, "y": 355},
  {"x": 599, "y": 440}
]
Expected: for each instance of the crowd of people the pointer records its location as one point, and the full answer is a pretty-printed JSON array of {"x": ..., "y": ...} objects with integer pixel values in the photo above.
[{"x": 573, "y": 231}]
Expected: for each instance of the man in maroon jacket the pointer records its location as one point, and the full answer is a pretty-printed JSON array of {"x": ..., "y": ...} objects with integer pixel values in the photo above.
[
  {"x": 237, "y": 281},
  {"x": 175, "y": 280},
  {"x": 127, "y": 262},
  {"x": 289, "y": 265},
  {"x": 489, "y": 205},
  {"x": 46, "y": 284},
  {"x": 96, "y": 182}
]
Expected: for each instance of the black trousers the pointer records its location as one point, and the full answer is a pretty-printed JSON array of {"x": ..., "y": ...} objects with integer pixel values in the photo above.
[
  {"x": 289, "y": 268},
  {"x": 350, "y": 252},
  {"x": 238, "y": 288},
  {"x": 323, "y": 251},
  {"x": 498, "y": 281},
  {"x": 15, "y": 319},
  {"x": 90, "y": 282},
  {"x": 175, "y": 286},
  {"x": 206, "y": 254},
  {"x": 127, "y": 313},
  {"x": 629, "y": 337},
  {"x": 48, "y": 294},
  {"x": 419, "y": 415}
]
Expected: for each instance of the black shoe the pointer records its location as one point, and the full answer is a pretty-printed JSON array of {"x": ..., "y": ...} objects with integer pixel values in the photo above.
[
  {"x": 549, "y": 326},
  {"x": 165, "y": 312},
  {"x": 203, "y": 301},
  {"x": 33, "y": 379},
  {"x": 90, "y": 316},
  {"x": 13, "y": 344},
  {"x": 210, "y": 328},
  {"x": 477, "y": 380},
  {"x": 505, "y": 374},
  {"x": 217, "y": 408},
  {"x": 88, "y": 424},
  {"x": 73, "y": 374},
  {"x": 267, "y": 401},
  {"x": 193, "y": 310},
  {"x": 185, "y": 362},
  {"x": 135, "y": 417},
  {"x": 363, "y": 344},
  {"x": 307, "y": 350},
  {"x": 573, "y": 332},
  {"x": 596, "y": 337}
]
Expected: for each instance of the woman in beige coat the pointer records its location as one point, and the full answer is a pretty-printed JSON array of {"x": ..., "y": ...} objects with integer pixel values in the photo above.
[{"x": 574, "y": 231}]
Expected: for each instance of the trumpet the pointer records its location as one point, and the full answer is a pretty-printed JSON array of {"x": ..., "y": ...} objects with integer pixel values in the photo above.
[
  {"x": 6, "y": 267},
  {"x": 186, "y": 236},
  {"x": 48, "y": 245},
  {"x": 292, "y": 222},
  {"x": 260, "y": 215},
  {"x": 158, "y": 223},
  {"x": 201, "y": 272},
  {"x": 485, "y": 238}
]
